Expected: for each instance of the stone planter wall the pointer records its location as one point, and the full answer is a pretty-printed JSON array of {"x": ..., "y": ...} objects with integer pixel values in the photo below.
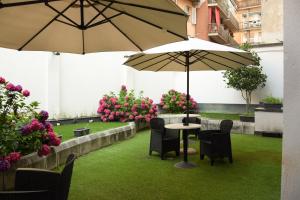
[{"x": 79, "y": 146}]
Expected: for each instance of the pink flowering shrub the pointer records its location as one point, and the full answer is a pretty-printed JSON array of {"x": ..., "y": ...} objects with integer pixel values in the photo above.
[
  {"x": 22, "y": 129},
  {"x": 175, "y": 102},
  {"x": 126, "y": 107}
]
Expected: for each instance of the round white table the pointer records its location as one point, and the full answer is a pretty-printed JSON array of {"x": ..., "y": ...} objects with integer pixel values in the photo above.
[{"x": 185, "y": 132}]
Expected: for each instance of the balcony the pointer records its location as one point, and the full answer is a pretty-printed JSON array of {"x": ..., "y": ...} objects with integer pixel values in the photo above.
[
  {"x": 250, "y": 25},
  {"x": 229, "y": 19},
  {"x": 220, "y": 35},
  {"x": 248, "y": 4}
]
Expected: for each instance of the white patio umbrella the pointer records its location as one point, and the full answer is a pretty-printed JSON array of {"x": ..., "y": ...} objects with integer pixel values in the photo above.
[
  {"x": 85, "y": 26},
  {"x": 191, "y": 55}
]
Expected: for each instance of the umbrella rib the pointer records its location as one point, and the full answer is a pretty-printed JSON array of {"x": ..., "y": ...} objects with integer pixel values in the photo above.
[
  {"x": 207, "y": 64},
  {"x": 24, "y": 3},
  {"x": 50, "y": 22},
  {"x": 130, "y": 60},
  {"x": 147, "y": 7},
  {"x": 160, "y": 55},
  {"x": 155, "y": 63},
  {"x": 66, "y": 23},
  {"x": 242, "y": 56},
  {"x": 168, "y": 62},
  {"x": 217, "y": 62},
  {"x": 104, "y": 21},
  {"x": 99, "y": 13},
  {"x": 225, "y": 58},
  {"x": 177, "y": 60},
  {"x": 199, "y": 58},
  {"x": 58, "y": 12},
  {"x": 145, "y": 21},
  {"x": 124, "y": 34}
]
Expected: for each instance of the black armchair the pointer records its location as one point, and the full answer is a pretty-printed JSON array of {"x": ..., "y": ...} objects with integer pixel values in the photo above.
[
  {"x": 163, "y": 140},
  {"x": 194, "y": 120},
  {"x": 216, "y": 143},
  {"x": 37, "y": 184}
]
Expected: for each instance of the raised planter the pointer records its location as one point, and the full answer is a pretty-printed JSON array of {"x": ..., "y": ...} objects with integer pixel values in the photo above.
[
  {"x": 79, "y": 146},
  {"x": 81, "y": 132},
  {"x": 269, "y": 122},
  {"x": 244, "y": 118},
  {"x": 271, "y": 106}
]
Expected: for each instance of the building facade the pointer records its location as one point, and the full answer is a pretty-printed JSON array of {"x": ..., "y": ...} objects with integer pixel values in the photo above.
[{"x": 233, "y": 22}]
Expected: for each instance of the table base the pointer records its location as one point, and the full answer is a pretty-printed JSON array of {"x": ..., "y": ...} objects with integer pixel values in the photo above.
[{"x": 185, "y": 165}]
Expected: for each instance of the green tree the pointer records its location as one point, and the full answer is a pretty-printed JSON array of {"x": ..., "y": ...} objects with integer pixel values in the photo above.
[{"x": 247, "y": 78}]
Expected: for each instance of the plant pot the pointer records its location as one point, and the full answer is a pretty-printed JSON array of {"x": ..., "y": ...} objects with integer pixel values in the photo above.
[
  {"x": 244, "y": 118},
  {"x": 272, "y": 106},
  {"x": 81, "y": 132}
]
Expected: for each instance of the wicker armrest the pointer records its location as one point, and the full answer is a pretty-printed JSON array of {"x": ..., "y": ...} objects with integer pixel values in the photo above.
[
  {"x": 36, "y": 179},
  {"x": 24, "y": 195}
]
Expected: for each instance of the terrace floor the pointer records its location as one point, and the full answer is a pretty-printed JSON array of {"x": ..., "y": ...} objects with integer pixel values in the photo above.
[{"x": 125, "y": 171}]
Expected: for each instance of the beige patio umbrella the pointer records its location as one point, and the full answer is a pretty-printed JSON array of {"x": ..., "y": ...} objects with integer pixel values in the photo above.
[
  {"x": 86, "y": 26},
  {"x": 191, "y": 55}
]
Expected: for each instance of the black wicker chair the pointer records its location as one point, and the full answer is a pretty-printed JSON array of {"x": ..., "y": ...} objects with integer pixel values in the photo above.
[
  {"x": 163, "y": 140},
  {"x": 40, "y": 184},
  {"x": 216, "y": 143},
  {"x": 194, "y": 120}
]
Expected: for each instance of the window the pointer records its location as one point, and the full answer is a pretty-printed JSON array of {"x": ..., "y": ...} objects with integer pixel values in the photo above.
[{"x": 194, "y": 16}]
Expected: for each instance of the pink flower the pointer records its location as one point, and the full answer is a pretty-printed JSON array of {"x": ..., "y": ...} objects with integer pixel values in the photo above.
[
  {"x": 184, "y": 107},
  {"x": 135, "y": 113},
  {"x": 151, "y": 111},
  {"x": 126, "y": 104},
  {"x": 2, "y": 80},
  {"x": 151, "y": 101},
  {"x": 26, "y": 93},
  {"x": 126, "y": 98},
  {"x": 104, "y": 119},
  {"x": 99, "y": 110},
  {"x": 18, "y": 88},
  {"x": 36, "y": 125},
  {"x": 148, "y": 119},
  {"x": 13, "y": 157},
  {"x": 117, "y": 106},
  {"x": 107, "y": 111},
  {"x": 10, "y": 87},
  {"x": 44, "y": 150},
  {"x": 117, "y": 113},
  {"x": 165, "y": 107},
  {"x": 131, "y": 117},
  {"x": 111, "y": 117},
  {"x": 113, "y": 100},
  {"x": 48, "y": 126}
]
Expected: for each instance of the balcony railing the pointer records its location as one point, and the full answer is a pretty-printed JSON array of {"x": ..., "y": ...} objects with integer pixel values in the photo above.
[
  {"x": 248, "y": 3},
  {"x": 224, "y": 7},
  {"x": 233, "y": 20},
  {"x": 223, "y": 33},
  {"x": 250, "y": 25}
]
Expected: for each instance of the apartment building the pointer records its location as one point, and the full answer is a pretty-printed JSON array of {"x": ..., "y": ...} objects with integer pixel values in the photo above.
[
  {"x": 212, "y": 20},
  {"x": 233, "y": 22}
]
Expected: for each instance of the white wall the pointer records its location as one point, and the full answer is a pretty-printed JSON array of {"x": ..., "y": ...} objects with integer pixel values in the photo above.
[
  {"x": 71, "y": 85},
  {"x": 291, "y": 137},
  {"x": 28, "y": 69}
]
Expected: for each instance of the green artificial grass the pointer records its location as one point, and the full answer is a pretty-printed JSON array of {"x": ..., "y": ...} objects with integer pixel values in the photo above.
[
  {"x": 67, "y": 130},
  {"x": 221, "y": 116},
  {"x": 124, "y": 171}
]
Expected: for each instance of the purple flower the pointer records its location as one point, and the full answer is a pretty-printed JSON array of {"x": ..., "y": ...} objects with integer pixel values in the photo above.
[
  {"x": 26, "y": 130},
  {"x": 18, "y": 88},
  {"x": 43, "y": 115},
  {"x": 4, "y": 165}
]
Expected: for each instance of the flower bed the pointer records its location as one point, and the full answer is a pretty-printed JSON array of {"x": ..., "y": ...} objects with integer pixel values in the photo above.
[
  {"x": 23, "y": 130},
  {"x": 126, "y": 107},
  {"x": 175, "y": 102}
]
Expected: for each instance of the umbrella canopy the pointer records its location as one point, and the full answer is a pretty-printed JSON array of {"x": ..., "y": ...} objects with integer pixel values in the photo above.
[
  {"x": 85, "y": 26},
  {"x": 202, "y": 56},
  {"x": 191, "y": 55}
]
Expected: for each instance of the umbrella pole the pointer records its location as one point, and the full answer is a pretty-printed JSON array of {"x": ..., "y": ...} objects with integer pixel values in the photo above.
[{"x": 187, "y": 64}]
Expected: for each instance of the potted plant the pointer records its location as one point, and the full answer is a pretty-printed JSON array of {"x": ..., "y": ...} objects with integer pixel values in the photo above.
[
  {"x": 271, "y": 103},
  {"x": 246, "y": 79}
]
